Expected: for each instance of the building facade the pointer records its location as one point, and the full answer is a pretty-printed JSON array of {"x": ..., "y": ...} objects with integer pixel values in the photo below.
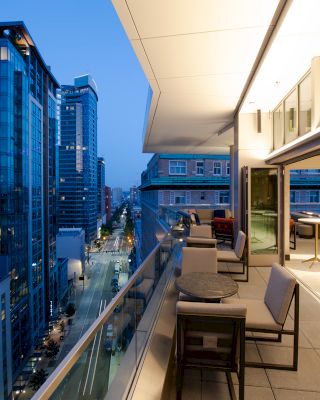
[
  {"x": 181, "y": 181},
  {"x": 108, "y": 198},
  {"x": 101, "y": 185},
  {"x": 28, "y": 137},
  {"x": 117, "y": 196},
  {"x": 305, "y": 190},
  {"x": 134, "y": 196},
  {"x": 78, "y": 157}
]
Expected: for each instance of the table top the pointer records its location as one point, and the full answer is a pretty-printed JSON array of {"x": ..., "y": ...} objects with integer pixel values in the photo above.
[
  {"x": 206, "y": 285},
  {"x": 310, "y": 220}
]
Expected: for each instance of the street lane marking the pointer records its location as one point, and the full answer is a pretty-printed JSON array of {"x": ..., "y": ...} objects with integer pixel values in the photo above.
[
  {"x": 92, "y": 350},
  {"x": 96, "y": 360}
]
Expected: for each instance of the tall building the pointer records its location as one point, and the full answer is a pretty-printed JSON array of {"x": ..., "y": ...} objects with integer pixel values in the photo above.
[
  {"x": 78, "y": 156},
  {"x": 180, "y": 181},
  {"x": 28, "y": 135},
  {"x": 134, "y": 195},
  {"x": 108, "y": 196},
  {"x": 101, "y": 185},
  {"x": 117, "y": 196}
]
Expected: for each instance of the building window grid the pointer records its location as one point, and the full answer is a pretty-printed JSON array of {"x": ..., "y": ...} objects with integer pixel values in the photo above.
[
  {"x": 216, "y": 168},
  {"x": 177, "y": 167},
  {"x": 200, "y": 168},
  {"x": 297, "y": 89}
]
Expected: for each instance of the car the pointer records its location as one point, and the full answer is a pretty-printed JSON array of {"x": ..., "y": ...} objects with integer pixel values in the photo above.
[{"x": 118, "y": 261}]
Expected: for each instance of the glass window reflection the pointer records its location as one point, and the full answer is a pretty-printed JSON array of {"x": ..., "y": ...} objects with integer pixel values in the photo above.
[{"x": 305, "y": 106}]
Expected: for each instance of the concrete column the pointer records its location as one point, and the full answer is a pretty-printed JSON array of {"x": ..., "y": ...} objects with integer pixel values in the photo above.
[{"x": 315, "y": 90}]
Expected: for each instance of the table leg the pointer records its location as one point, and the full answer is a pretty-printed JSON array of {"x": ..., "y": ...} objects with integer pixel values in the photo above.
[{"x": 315, "y": 258}]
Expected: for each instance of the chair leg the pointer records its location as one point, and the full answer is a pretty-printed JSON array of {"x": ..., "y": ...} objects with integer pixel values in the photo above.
[{"x": 231, "y": 387}]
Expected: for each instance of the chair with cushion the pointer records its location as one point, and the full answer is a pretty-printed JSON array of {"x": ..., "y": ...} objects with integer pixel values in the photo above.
[
  {"x": 223, "y": 229},
  {"x": 200, "y": 236},
  {"x": 269, "y": 315},
  {"x": 197, "y": 260},
  {"x": 236, "y": 256},
  {"x": 205, "y": 215},
  {"x": 211, "y": 335}
]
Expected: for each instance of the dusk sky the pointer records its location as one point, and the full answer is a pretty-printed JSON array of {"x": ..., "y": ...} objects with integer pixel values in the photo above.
[{"x": 77, "y": 37}]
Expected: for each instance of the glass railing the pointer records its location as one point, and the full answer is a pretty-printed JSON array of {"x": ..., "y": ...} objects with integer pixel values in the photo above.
[{"x": 103, "y": 363}]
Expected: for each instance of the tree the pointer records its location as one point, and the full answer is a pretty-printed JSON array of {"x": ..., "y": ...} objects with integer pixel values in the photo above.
[
  {"x": 52, "y": 349},
  {"x": 37, "y": 379},
  {"x": 70, "y": 310},
  {"x": 62, "y": 326}
]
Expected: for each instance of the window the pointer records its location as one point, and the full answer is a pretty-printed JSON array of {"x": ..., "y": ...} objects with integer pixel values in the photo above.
[
  {"x": 161, "y": 197},
  {"x": 228, "y": 168},
  {"x": 200, "y": 168},
  {"x": 224, "y": 197},
  {"x": 202, "y": 195},
  {"x": 180, "y": 197},
  {"x": 290, "y": 116},
  {"x": 314, "y": 196},
  {"x": 294, "y": 196},
  {"x": 177, "y": 167},
  {"x": 305, "y": 105},
  {"x": 312, "y": 171},
  {"x": 216, "y": 168},
  {"x": 278, "y": 132}
]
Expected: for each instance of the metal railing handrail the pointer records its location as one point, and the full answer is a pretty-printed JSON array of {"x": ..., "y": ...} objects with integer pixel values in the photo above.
[{"x": 53, "y": 381}]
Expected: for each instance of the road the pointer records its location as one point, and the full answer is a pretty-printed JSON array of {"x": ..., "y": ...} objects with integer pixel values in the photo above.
[{"x": 90, "y": 376}]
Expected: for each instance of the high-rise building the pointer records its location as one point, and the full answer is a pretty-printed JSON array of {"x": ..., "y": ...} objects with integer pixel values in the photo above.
[
  {"x": 101, "y": 185},
  {"x": 117, "y": 196},
  {"x": 134, "y": 195},
  {"x": 28, "y": 135},
  {"x": 108, "y": 196},
  {"x": 78, "y": 156}
]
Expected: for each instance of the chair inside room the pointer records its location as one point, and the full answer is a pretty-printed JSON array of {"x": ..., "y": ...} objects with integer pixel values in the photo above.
[
  {"x": 197, "y": 260},
  {"x": 269, "y": 315},
  {"x": 211, "y": 336},
  {"x": 200, "y": 236},
  {"x": 236, "y": 256}
]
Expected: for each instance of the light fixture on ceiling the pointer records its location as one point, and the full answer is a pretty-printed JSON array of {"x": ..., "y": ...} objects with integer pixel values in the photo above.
[{"x": 259, "y": 121}]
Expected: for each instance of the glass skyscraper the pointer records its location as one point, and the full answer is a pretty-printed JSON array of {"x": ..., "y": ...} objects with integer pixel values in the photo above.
[
  {"x": 78, "y": 156},
  {"x": 28, "y": 138}
]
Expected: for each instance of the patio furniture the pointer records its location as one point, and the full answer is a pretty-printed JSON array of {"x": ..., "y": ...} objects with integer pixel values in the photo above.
[
  {"x": 200, "y": 236},
  {"x": 197, "y": 260},
  {"x": 305, "y": 231},
  {"x": 315, "y": 222},
  {"x": 223, "y": 229},
  {"x": 236, "y": 256},
  {"x": 211, "y": 336},
  {"x": 293, "y": 231},
  {"x": 269, "y": 315},
  {"x": 206, "y": 286},
  {"x": 205, "y": 215}
]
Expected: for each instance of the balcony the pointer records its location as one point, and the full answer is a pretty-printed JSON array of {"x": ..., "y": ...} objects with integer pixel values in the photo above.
[{"x": 129, "y": 350}]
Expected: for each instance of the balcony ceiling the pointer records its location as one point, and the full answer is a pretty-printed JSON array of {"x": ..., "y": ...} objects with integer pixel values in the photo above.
[{"x": 197, "y": 55}]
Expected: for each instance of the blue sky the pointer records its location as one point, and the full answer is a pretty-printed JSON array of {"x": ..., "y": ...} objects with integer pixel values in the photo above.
[{"x": 76, "y": 37}]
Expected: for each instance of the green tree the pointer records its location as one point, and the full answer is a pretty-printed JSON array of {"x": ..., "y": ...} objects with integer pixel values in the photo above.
[
  {"x": 37, "y": 379},
  {"x": 52, "y": 349},
  {"x": 70, "y": 310}
]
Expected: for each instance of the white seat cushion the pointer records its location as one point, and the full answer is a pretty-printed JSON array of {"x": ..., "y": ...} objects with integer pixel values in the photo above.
[
  {"x": 258, "y": 314},
  {"x": 227, "y": 255},
  {"x": 201, "y": 231}
]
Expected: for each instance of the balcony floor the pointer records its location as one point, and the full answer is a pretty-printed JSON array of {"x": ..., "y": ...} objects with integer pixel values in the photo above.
[{"x": 266, "y": 384}]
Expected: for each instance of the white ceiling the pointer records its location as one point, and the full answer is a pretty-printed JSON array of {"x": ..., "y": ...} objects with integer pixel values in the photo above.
[
  {"x": 289, "y": 58},
  {"x": 197, "y": 55}
]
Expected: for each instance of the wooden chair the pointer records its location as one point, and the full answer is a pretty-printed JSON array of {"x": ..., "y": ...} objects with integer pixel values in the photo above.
[
  {"x": 269, "y": 315},
  {"x": 211, "y": 335}
]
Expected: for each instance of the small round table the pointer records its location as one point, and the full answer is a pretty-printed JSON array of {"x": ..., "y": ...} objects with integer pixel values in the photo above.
[
  {"x": 206, "y": 285},
  {"x": 315, "y": 222}
]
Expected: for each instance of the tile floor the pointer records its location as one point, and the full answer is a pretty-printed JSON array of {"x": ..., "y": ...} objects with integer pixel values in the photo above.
[{"x": 266, "y": 384}]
